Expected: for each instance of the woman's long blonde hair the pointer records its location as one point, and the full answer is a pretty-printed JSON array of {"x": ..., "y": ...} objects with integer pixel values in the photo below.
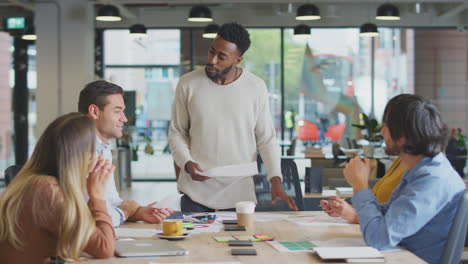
[{"x": 64, "y": 151}]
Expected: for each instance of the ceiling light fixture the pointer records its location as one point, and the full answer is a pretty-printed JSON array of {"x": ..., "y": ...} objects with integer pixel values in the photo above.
[
  {"x": 368, "y": 30},
  {"x": 301, "y": 30},
  {"x": 200, "y": 13},
  {"x": 308, "y": 12},
  {"x": 211, "y": 31},
  {"x": 138, "y": 30},
  {"x": 29, "y": 34},
  {"x": 388, "y": 12},
  {"x": 108, "y": 13}
]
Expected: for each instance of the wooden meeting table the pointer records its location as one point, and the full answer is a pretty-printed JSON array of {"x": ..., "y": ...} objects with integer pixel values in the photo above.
[{"x": 203, "y": 248}]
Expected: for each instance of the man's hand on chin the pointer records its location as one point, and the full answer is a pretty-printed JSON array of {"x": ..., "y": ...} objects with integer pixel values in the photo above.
[{"x": 357, "y": 173}]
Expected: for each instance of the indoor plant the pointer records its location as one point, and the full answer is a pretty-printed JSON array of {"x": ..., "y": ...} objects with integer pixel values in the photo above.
[
  {"x": 149, "y": 147},
  {"x": 372, "y": 133},
  {"x": 456, "y": 150}
]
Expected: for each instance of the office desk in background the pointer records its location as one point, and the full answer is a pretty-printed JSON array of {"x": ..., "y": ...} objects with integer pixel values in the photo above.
[
  {"x": 321, "y": 196},
  {"x": 203, "y": 248}
]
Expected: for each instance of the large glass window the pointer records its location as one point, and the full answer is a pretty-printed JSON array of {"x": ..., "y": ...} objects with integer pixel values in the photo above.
[
  {"x": 148, "y": 69},
  {"x": 264, "y": 60},
  {"x": 330, "y": 77},
  {"x": 329, "y": 80},
  {"x": 6, "y": 114},
  {"x": 7, "y": 84},
  {"x": 320, "y": 74},
  {"x": 393, "y": 61}
]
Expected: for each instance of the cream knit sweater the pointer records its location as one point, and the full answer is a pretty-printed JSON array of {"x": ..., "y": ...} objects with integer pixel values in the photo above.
[{"x": 217, "y": 125}]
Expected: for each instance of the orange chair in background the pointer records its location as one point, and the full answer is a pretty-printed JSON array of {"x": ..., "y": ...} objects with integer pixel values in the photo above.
[
  {"x": 335, "y": 132},
  {"x": 308, "y": 131}
]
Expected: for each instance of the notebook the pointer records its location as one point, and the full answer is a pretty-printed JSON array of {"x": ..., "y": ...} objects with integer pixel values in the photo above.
[
  {"x": 350, "y": 254},
  {"x": 344, "y": 190},
  {"x": 147, "y": 248}
]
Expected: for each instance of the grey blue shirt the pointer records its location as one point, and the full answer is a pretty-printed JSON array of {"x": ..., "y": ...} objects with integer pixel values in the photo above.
[{"x": 420, "y": 211}]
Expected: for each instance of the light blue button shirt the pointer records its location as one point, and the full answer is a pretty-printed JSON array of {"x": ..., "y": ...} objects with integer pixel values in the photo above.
[
  {"x": 420, "y": 211},
  {"x": 112, "y": 196}
]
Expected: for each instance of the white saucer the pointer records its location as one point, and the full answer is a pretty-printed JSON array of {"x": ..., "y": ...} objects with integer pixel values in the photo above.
[{"x": 184, "y": 235}]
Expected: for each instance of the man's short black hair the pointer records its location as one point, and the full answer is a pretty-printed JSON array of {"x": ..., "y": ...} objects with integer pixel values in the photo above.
[
  {"x": 236, "y": 34},
  {"x": 419, "y": 121},
  {"x": 96, "y": 93}
]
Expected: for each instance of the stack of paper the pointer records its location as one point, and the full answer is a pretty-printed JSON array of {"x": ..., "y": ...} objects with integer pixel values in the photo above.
[
  {"x": 319, "y": 221},
  {"x": 350, "y": 254},
  {"x": 344, "y": 190},
  {"x": 236, "y": 170},
  {"x": 326, "y": 193}
]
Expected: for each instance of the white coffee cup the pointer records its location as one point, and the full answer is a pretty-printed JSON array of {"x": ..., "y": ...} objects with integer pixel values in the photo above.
[{"x": 245, "y": 213}]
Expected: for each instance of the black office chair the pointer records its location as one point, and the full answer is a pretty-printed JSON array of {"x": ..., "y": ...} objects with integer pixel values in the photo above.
[
  {"x": 10, "y": 173},
  {"x": 291, "y": 186},
  {"x": 456, "y": 239},
  {"x": 291, "y": 151}
]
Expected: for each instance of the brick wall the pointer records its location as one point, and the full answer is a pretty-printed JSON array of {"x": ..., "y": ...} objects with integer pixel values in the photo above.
[{"x": 441, "y": 72}]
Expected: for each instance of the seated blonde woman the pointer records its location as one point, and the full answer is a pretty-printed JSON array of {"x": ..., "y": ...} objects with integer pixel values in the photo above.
[
  {"x": 382, "y": 190},
  {"x": 44, "y": 209}
]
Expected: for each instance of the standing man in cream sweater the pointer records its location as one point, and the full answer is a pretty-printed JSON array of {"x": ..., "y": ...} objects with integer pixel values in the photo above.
[{"x": 221, "y": 117}]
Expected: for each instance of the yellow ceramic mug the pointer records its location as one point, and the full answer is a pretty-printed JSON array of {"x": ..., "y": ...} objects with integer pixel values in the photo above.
[{"x": 172, "y": 227}]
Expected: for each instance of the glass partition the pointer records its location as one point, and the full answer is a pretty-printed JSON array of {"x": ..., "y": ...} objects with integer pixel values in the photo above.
[
  {"x": 330, "y": 77},
  {"x": 263, "y": 59},
  {"x": 148, "y": 69}
]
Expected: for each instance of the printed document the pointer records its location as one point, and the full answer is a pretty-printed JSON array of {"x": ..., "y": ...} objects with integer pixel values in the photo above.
[{"x": 240, "y": 170}]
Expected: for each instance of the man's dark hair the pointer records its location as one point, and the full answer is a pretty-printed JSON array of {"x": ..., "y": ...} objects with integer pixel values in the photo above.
[
  {"x": 419, "y": 121},
  {"x": 236, "y": 34},
  {"x": 96, "y": 93}
]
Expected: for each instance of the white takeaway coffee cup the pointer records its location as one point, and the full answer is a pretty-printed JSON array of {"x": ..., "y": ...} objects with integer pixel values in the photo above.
[{"x": 245, "y": 213}]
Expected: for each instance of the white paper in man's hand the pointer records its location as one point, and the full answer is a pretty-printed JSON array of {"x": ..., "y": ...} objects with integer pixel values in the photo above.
[
  {"x": 170, "y": 201},
  {"x": 240, "y": 170}
]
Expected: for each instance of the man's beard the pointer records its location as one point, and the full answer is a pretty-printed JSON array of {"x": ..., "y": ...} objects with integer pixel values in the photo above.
[
  {"x": 392, "y": 150},
  {"x": 217, "y": 75}
]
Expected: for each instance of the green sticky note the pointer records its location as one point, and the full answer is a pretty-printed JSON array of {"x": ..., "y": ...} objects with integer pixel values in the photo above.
[
  {"x": 223, "y": 238},
  {"x": 297, "y": 245}
]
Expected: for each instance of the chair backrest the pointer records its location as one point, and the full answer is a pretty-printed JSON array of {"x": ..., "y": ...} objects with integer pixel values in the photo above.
[
  {"x": 456, "y": 239},
  {"x": 335, "y": 132},
  {"x": 292, "y": 148},
  {"x": 11, "y": 172},
  {"x": 308, "y": 131},
  {"x": 291, "y": 186}
]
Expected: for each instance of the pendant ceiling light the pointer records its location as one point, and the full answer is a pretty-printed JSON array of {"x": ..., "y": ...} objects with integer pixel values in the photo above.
[
  {"x": 388, "y": 12},
  {"x": 308, "y": 12},
  {"x": 368, "y": 30},
  {"x": 29, "y": 33},
  {"x": 108, "y": 13},
  {"x": 138, "y": 30},
  {"x": 301, "y": 30},
  {"x": 200, "y": 13},
  {"x": 211, "y": 31}
]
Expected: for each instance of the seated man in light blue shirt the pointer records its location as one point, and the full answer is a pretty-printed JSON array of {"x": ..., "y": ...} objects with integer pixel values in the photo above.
[
  {"x": 103, "y": 102},
  {"x": 420, "y": 211}
]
